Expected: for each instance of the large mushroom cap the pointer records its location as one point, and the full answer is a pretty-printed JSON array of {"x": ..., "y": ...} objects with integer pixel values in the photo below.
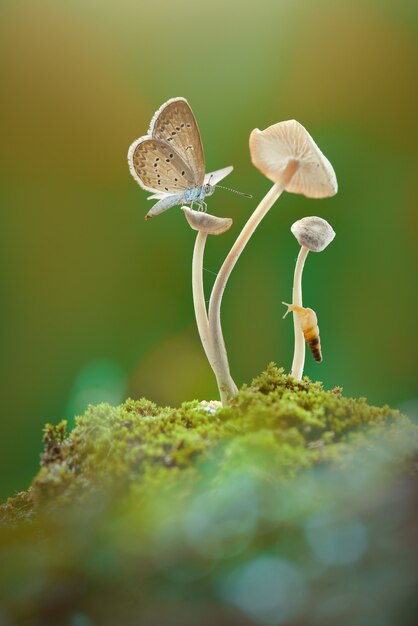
[
  {"x": 207, "y": 223},
  {"x": 313, "y": 232},
  {"x": 275, "y": 147}
]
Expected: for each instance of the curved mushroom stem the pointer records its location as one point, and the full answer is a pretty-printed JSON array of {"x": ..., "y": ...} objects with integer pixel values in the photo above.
[
  {"x": 299, "y": 352},
  {"x": 225, "y": 383},
  {"x": 265, "y": 205},
  {"x": 199, "y": 295}
]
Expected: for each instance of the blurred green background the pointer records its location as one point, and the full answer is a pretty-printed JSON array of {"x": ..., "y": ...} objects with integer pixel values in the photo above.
[{"x": 96, "y": 303}]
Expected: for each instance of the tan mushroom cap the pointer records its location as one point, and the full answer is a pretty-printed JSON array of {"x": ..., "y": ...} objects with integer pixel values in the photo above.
[
  {"x": 207, "y": 223},
  {"x": 313, "y": 232},
  {"x": 273, "y": 148}
]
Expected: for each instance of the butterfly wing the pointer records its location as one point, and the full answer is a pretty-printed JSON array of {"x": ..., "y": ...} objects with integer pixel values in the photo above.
[
  {"x": 212, "y": 177},
  {"x": 157, "y": 167},
  {"x": 175, "y": 124},
  {"x": 215, "y": 177},
  {"x": 158, "y": 196}
]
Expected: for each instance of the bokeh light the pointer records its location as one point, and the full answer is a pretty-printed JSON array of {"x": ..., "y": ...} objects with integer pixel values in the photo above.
[
  {"x": 102, "y": 380},
  {"x": 268, "y": 589},
  {"x": 335, "y": 543}
]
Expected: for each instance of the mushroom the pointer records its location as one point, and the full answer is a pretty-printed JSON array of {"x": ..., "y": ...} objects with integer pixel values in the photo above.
[
  {"x": 287, "y": 155},
  {"x": 312, "y": 233},
  {"x": 206, "y": 225}
]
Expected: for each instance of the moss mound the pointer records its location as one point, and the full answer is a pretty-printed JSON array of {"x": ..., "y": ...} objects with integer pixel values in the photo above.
[{"x": 257, "y": 513}]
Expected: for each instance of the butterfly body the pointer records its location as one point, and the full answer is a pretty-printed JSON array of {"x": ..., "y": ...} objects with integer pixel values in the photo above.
[
  {"x": 198, "y": 194},
  {"x": 190, "y": 196},
  {"x": 169, "y": 160}
]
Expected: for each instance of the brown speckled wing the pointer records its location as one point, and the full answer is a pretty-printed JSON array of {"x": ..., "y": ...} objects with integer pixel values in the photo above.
[
  {"x": 175, "y": 125},
  {"x": 159, "y": 167}
]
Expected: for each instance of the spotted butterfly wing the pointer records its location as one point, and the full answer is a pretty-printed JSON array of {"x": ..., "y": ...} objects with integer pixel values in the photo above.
[
  {"x": 212, "y": 178},
  {"x": 175, "y": 124},
  {"x": 170, "y": 158},
  {"x": 158, "y": 168}
]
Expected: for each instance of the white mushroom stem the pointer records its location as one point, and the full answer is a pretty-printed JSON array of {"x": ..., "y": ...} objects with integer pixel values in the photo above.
[
  {"x": 299, "y": 351},
  {"x": 199, "y": 294},
  {"x": 217, "y": 358},
  {"x": 229, "y": 264},
  {"x": 206, "y": 225}
]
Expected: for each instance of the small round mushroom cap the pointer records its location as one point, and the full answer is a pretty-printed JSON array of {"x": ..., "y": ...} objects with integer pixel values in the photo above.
[
  {"x": 313, "y": 233},
  {"x": 275, "y": 147},
  {"x": 207, "y": 223}
]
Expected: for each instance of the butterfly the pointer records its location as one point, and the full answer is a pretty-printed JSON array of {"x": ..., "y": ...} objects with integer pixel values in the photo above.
[{"x": 169, "y": 160}]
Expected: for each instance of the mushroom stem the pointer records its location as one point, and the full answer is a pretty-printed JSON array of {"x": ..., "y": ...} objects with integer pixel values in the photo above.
[
  {"x": 262, "y": 209},
  {"x": 299, "y": 351},
  {"x": 225, "y": 383},
  {"x": 199, "y": 295},
  {"x": 206, "y": 225}
]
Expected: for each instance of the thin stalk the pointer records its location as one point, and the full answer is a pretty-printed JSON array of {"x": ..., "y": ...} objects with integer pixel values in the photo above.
[
  {"x": 199, "y": 295},
  {"x": 225, "y": 383},
  {"x": 299, "y": 352},
  {"x": 219, "y": 349}
]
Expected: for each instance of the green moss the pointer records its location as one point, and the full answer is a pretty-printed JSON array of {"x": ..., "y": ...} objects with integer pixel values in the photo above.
[
  {"x": 141, "y": 513},
  {"x": 288, "y": 425}
]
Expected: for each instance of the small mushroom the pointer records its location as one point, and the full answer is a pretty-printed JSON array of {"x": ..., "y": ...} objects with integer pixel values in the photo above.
[
  {"x": 315, "y": 234},
  {"x": 206, "y": 225},
  {"x": 287, "y": 155}
]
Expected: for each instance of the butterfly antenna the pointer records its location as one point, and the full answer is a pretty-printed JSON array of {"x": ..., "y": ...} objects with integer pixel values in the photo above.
[{"x": 240, "y": 193}]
